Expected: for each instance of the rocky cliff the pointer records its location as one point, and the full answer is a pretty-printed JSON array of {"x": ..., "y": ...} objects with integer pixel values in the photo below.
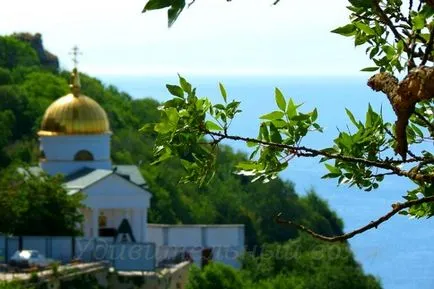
[{"x": 47, "y": 59}]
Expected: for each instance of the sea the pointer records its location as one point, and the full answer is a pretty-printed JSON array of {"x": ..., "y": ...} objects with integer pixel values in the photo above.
[{"x": 401, "y": 251}]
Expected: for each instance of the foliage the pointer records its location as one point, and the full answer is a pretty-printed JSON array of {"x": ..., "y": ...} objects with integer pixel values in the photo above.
[
  {"x": 375, "y": 23},
  {"x": 175, "y": 8},
  {"x": 28, "y": 203},
  {"x": 301, "y": 263},
  {"x": 230, "y": 198},
  {"x": 397, "y": 39},
  {"x": 13, "y": 285},
  {"x": 83, "y": 281},
  {"x": 16, "y": 53},
  {"x": 214, "y": 276}
]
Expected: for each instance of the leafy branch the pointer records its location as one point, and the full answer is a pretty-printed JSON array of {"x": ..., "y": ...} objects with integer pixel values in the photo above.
[
  {"x": 396, "y": 208},
  {"x": 192, "y": 128},
  {"x": 301, "y": 151}
]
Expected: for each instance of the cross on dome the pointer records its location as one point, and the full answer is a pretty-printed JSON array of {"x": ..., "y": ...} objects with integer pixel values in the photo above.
[
  {"x": 75, "y": 52},
  {"x": 75, "y": 78}
]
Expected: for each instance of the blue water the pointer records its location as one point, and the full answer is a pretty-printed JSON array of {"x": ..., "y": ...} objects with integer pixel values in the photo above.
[{"x": 399, "y": 252}]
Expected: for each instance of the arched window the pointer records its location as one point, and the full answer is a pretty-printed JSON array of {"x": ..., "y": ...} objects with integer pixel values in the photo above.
[{"x": 83, "y": 155}]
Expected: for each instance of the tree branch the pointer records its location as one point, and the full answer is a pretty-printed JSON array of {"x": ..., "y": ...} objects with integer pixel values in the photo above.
[
  {"x": 383, "y": 16},
  {"x": 309, "y": 152},
  {"x": 429, "y": 125},
  {"x": 418, "y": 85},
  {"x": 429, "y": 47},
  {"x": 374, "y": 224}
]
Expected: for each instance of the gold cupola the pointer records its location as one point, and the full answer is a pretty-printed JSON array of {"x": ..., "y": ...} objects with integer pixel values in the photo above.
[{"x": 74, "y": 114}]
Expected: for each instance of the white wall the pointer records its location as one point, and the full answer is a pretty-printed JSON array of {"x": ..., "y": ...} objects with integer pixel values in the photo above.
[
  {"x": 227, "y": 236},
  {"x": 118, "y": 199},
  {"x": 181, "y": 236},
  {"x": 64, "y": 147},
  {"x": 226, "y": 241},
  {"x": 60, "y": 151},
  {"x": 115, "y": 192},
  {"x": 155, "y": 235}
]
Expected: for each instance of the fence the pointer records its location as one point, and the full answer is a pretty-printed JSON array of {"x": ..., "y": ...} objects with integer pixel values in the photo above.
[
  {"x": 122, "y": 256},
  {"x": 223, "y": 243}
]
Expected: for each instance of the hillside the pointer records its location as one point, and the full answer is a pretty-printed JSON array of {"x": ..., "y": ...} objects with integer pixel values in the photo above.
[{"x": 28, "y": 84}]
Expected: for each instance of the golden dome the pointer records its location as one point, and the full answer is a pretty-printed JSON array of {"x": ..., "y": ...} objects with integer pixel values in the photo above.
[{"x": 74, "y": 114}]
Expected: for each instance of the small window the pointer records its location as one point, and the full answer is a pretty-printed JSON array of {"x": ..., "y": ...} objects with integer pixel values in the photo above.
[{"x": 83, "y": 155}]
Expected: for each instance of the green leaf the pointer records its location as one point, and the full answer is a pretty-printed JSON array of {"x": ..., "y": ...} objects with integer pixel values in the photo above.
[
  {"x": 300, "y": 117},
  {"x": 273, "y": 115},
  {"x": 172, "y": 115},
  {"x": 291, "y": 109},
  {"x": 169, "y": 121},
  {"x": 249, "y": 166},
  {"x": 361, "y": 3},
  {"x": 175, "y": 90},
  {"x": 347, "y": 30},
  {"x": 263, "y": 130},
  {"x": 164, "y": 155},
  {"x": 156, "y": 4},
  {"x": 275, "y": 134},
  {"x": 369, "y": 116},
  {"x": 149, "y": 127},
  {"x": 212, "y": 126},
  {"x": 365, "y": 28},
  {"x": 370, "y": 69},
  {"x": 163, "y": 127},
  {"x": 360, "y": 39},
  {"x": 173, "y": 14},
  {"x": 417, "y": 130},
  {"x": 333, "y": 169},
  {"x": 400, "y": 46},
  {"x": 280, "y": 99},
  {"x": 373, "y": 52},
  {"x": 418, "y": 22},
  {"x": 389, "y": 50},
  {"x": 331, "y": 176},
  {"x": 317, "y": 127},
  {"x": 279, "y": 123},
  {"x": 184, "y": 84},
  {"x": 223, "y": 91},
  {"x": 314, "y": 115},
  {"x": 352, "y": 118}
]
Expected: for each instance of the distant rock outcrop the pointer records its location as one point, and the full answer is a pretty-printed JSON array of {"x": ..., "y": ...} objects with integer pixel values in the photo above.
[{"x": 47, "y": 59}]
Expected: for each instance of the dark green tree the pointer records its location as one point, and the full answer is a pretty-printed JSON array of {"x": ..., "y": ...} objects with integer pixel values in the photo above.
[
  {"x": 304, "y": 263},
  {"x": 215, "y": 276},
  {"x": 37, "y": 205},
  {"x": 16, "y": 53}
]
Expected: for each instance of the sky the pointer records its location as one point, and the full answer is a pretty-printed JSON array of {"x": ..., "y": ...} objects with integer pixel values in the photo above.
[{"x": 212, "y": 37}]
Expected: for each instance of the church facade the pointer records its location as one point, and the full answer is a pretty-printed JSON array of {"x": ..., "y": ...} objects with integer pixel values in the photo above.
[{"x": 75, "y": 141}]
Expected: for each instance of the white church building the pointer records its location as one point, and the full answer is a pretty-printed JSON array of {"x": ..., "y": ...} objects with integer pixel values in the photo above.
[{"x": 75, "y": 141}]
